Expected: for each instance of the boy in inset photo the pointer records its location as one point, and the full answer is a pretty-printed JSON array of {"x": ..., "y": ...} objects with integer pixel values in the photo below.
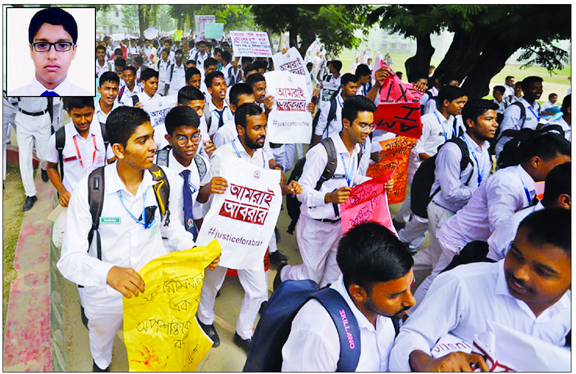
[{"x": 52, "y": 37}]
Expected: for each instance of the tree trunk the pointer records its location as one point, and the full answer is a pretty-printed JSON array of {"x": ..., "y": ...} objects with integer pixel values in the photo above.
[
  {"x": 141, "y": 21},
  {"x": 417, "y": 66}
]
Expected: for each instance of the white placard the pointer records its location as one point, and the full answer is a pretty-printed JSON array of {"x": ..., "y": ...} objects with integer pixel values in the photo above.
[
  {"x": 292, "y": 61},
  {"x": 289, "y": 121},
  {"x": 251, "y": 44},
  {"x": 243, "y": 218},
  {"x": 151, "y": 33},
  {"x": 157, "y": 108},
  {"x": 328, "y": 90},
  {"x": 200, "y": 21}
]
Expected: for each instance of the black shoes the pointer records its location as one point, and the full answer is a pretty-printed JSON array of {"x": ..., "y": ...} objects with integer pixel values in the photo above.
[
  {"x": 242, "y": 343},
  {"x": 29, "y": 203},
  {"x": 45, "y": 176},
  {"x": 277, "y": 278},
  {"x": 277, "y": 259},
  {"x": 96, "y": 368},
  {"x": 210, "y": 330}
]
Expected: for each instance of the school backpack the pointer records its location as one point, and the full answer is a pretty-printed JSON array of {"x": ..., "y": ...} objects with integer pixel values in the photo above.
[
  {"x": 292, "y": 203},
  {"x": 162, "y": 159},
  {"x": 424, "y": 177},
  {"x": 61, "y": 139},
  {"x": 497, "y": 135},
  {"x": 331, "y": 116},
  {"x": 96, "y": 199},
  {"x": 510, "y": 154},
  {"x": 275, "y": 323}
]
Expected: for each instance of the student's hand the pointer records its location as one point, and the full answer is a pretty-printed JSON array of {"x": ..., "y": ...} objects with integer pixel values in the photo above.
[
  {"x": 218, "y": 185},
  {"x": 377, "y": 156},
  {"x": 64, "y": 197},
  {"x": 339, "y": 196},
  {"x": 421, "y": 86},
  {"x": 294, "y": 188},
  {"x": 453, "y": 362},
  {"x": 269, "y": 102},
  {"x": 381, "y": 75},
  {"x": 389, "y": 185},
  {"x": 311, "y": 107},
  {"x": 214, "y": 264},
  {"x": 138, "y": 105},
  {"x": 315, "y": 92},
  {"x": 125, "y": 281},
  {"x": 209, "y": 147}
]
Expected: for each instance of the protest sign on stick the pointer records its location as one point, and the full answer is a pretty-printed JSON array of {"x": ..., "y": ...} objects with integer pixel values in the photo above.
[
  {"x": 200, "y": 22},
  {"x": 367, "y": 203},
  {"x": 213, "y": 30},
  {"x": 292, "y": 61},
  {"x": 161, "y": 332},
  {"x": 395, "y": 154},
  {"x": 289, "y": 121},
  {"x": 399, "y": 107},
  {"x": 244, "y": 217},
  {"x": 250, "y": 43}
]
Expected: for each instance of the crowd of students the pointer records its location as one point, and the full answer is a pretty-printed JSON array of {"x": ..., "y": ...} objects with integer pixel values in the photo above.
[{"x": 222, "y": 109}]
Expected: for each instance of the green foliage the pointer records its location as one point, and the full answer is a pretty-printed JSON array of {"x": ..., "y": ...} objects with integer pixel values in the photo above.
[
  {"x": 546, "y": 55},
  {"x": 130, "y": 17}
]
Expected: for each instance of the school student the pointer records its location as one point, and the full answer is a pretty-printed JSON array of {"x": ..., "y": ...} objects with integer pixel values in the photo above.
[
  {"x": 240, "y": 93},
  {"x": 375, "y": 283},
  {"x": 528, "y": 291},
  {"x": 130, "y": 88},
  {"x": 108, "y": 90},
  {"x": 163, "y": 67},
  {"x": 129, "y": 238},
  {"x": 176, "y": 78},
  {"x": 193, "y": 98},
  {"x": 149, "y": 88},
  {"x": 217, "y": 109}
]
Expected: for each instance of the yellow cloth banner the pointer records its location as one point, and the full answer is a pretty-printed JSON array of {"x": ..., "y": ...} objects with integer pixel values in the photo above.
[
  {"x": 178, "y": 35},
  {"x": 161, "y": 332}
]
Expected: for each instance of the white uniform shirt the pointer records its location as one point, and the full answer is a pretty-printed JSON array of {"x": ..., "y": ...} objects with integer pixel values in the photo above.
[
  {"x": 499, "y": 241},
  {"x": 126, "y": 97},
  {"x": 501, "y": 106},
  {"x": 513, "y": 121},
  {"x": 565, "y": 126},
  {"x": 91, "y": 157},
  {"x": 454, "y": 194},
  {"x": 101, "y": 69},
  {"x": 99, "y": 115},
  {"x": 427, "y": 97},
  {"x": 335, "y": 126},
  {"x": 508, "y": 91},
  {"x": 494, "y": 202},
  {"x": 163, "y": 72},
  {"x": 313, "y": 204},
  {"x": 178, "y": 79},
  {"x": 214, "y": 116},
  {"x": 63, "y": 89},
  {"x": 225, "y": 134},
  {"x": 314, "y": 346},
  {"x": 463, "y": 300},
  {"x": 125, "y": 243},
  {"x": 236, "y": 149}
]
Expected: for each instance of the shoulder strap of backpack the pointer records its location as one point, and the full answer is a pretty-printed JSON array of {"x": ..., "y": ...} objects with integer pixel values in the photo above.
[
  {"x": 522, "y": 112},
  {"x": 121, "y": 92},
  {"x": 60, "y": 141},
  {"x": 201, "y": 165},
  {"x": 465, "y": 156},
  {"x": 330, "y": 168},
  {"x": 332, "y": 112},
  {"x": 171, "y": 72},
  {"x": 95, "y": 202},
  {"x": 104, "y": 135},
  {"x": 162, "y": 158},
  {"x": 162, "y": 191},
  {"x": 135, "y": 99},
  {"x": 346, "y": 325}
]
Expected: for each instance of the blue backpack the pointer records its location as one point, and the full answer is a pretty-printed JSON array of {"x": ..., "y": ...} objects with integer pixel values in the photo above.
[{"x": 276, "y": 322}]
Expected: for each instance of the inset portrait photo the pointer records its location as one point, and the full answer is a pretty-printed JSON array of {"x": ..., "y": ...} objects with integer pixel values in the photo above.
[{"x": 50, "y": 51}]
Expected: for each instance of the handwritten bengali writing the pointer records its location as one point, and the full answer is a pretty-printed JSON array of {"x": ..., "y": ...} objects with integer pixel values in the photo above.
[
  {"x": 155, "y": 326},
  {"x": 362, "y": 195},
  {"x": 244, "y": 212},
  {"x": 251, "y": 195},
  {"x": 364, "y": 215},
  {"x": 179, "y": 304},
  {"x": 176, "y": 284},
  {"x": 293, "y": 67},
  {"x": 291, "y": 105}
]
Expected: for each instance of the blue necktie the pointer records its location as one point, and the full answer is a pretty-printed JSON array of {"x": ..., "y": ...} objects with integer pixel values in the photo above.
[
  {"x": 188, "y": 205},
  {"x": 49, "y": 93}
]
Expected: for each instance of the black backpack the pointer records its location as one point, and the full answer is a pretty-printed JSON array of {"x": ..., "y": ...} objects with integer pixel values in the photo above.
[
  {"x": 510, "y": 154},
  {"x": 275, "y": 323},
  {"x": 61, "y": 140},
  {"x": 162, "y": 159},
  {"x": 292, "y": 203},
  {"x": 420, "y": 195},
  {"x": 497, "y": 135},
  {"x": 331, "y": 116}
]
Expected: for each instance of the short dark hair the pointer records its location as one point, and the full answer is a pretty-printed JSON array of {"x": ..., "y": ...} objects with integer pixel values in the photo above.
[
  {"x": 355, "y": 104},
  {"x": 165, "y": 50},
  {"x": 552, "y": 95},
  {"x": 181, "y": 115},
  {"x": 250, "y": 68},
  {"x": 148, "y": 74},
  {"x": 246, "y": 59},
  {"x": 449, "y": 93},
  {"x": 550, "y": 226},
  {"x": 179, "y": 51},
  {"x": 566, "y": 103},
  {"x": 475, "y": 108},
  {"x": 546, "y": 146},
  {"x": 226, "y": 56},
  {"x": 211, "y": 76},
  {"x": 122, "y": 122},
  {"x": 53, "y": 16},
  {"x": 445, "y": 79},
  {"x": 189, "y": 93},
  {"x": 529, "y": 81},
  {"x": 109, "y": 76},
  {"x": 558, "y": 182},
  {"x": 100, "y": 46},
  {"x": 370, "y": 253},
  {"x": 192, "y": 71},
  {"x": 118, "y": 51},
  {"x": 120, "y": 62},
  {"x": 347, "y": 78},
  {"x": 238, "y": 90},
  {"x": 190, "y": 62},
  {"x": 138, "y": 60},
  {"x": 500, "y": 89},
  {"x": 78, "y": 102},
  {"x": 259, "y": 64},
  {"x": 245, "y": 110},
  {"x": 362, "y": 70},
  {"x": 508, "y": 77},
  {"x": 210, "y": 61},
  {"x": 337, "y": 64},
  {"x": 131, "y": 68},
  {"x": 255, "y": 78}
]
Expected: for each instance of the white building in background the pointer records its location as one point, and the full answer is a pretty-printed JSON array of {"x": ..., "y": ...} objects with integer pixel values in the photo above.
[{"x": 116, "y": 25}]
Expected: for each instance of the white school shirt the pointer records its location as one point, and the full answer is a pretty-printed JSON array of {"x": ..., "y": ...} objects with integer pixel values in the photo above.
[
  {"x": 508, "y": 91},
  {"x": 463, "y": 300},
  {"x": 335, "y": 126},
  {"x": 454, "y": 194},
  {"x": 565, "y": 126},
  {"x": 427, "y": 97},
  {"x": 91, "y": 157},
  {"x": 225, "y": 134},
  {"x": 499, "y": 241},
  {"x": 101, "y": 69},
  {"x": 99, "y": 115},
  {"x": 63, "y": 89},
  {"x": 501, "y": 106},
  {"x": 163, "y": 71},
  {"x": 313, "y": 204},
  {"x": 494, "y": 202},
  {"x": 178, "y": 79},
  {"x": 126, "y": 98},
  {"x": 125, "y": 243},
  {"x": 215, "y": 116},
  {"x": 236, "y": 149},
  {"x": 314, "y": 346},
  {"x": 513, "y": 121}
]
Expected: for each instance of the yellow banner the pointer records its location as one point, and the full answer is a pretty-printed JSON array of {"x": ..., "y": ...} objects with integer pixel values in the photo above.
[
  {"x": 161, "y": 332},
  {"x": 178, "y": 35}
]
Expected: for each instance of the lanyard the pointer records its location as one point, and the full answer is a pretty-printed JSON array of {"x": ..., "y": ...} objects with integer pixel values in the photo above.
[
  {"x": 143, "y": 220},
  {"x": 348, "y": 176},
  {"x": 527, "y": 193},
  {"x": 78, "y": 151},
  {"x": 535, "y": 115},
  {"x": 480, "y": 171},
  {"x": 443, "y": 129},
  {"x": 240, "y": 157}
]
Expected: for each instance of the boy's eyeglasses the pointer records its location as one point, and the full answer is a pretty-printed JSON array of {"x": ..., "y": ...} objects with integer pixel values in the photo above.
[
  {"x": 182, "y": 140},
  {"x": 58, "y": 46}
]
